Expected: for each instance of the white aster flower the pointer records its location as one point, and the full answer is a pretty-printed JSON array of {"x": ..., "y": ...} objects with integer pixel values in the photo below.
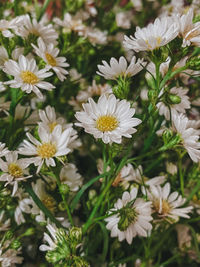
[
  {"x": 4, "y": 224},
  {"x": 27, "y": 76},
  {"x": 50, "y": 239},
  {"x": 6, "y": 26},
  {"x": 138, "y": 177},
  {"x": 24, "y": 206},
  {"x": 123, "y": 19},
  {"x": 14, "y": 170},
  {"x": 189, "y": 136},
  {"x": 174, "y": 109},
  {"x": 171, "y": 168},
  {"x": 96, "y": 36},
  {"x": 132, "y": 218},
  {"x": 52, "y": 145},
  {"x": 189, "y": 31},
  {"x": 167, "y": 205},
  {"x": 71, "y": 23},
  {"x": 121, "y": 68},
  {"x": 9, "y": 257},
  {"x": 155, "y": 35},
  {"x": 38, "y": 29},
  {"x": 49, "y": 121},
  {"x": 109, "y": 119},
  {"x": 70, "y": 176},
  {"x": 3, "y": 149},
  {"x": 49, "y": 53}
]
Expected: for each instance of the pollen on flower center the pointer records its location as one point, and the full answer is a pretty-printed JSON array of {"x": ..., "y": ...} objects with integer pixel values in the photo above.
[
  {"x": 158, "y": 39},
  {"x": 106, "y": 123},
  {"x": 46, "y": 150},
  {"x": 15, "y": 170},
  {"x": 128, "y": 215},
  {"x": 50, "y": 203},
  {"x": 51, "y": 60},
  {"x": 165, "y": 209},
  {"x": 29, "y": 77},
  {"x": 52, "y": 126}
]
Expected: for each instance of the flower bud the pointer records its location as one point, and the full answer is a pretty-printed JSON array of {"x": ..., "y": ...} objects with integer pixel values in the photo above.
[
  {"x": 152, "y": 95},
  {"x": 64, "y": 189},
  {"x": 173, "y": 99},
  {"x": 8, "y": 234},
  {"x": 75, "y": 234},
  {"x": 15, "y": 244},
  {"x": 29, "y": 231},
  {"x": 194, "y": 63}
]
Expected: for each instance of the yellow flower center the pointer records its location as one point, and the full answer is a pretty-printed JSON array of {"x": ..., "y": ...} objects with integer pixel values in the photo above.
[
  {"x": 52, "y": 126},
  {"x": 158, "y": 39},
  {"x": 49, "y": 202},
  {"x": 165, "y": 207},
  {"x": 106, "y": 123},
  {"x": 29, "y": 77},
  {"x": 51, "y": 60},
  {"x": 46, "y": 150},
  {"x": 15, "y": 170}
]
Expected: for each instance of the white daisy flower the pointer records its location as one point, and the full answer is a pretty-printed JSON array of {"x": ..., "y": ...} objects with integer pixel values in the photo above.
[
  {"x": 132, "y": 218},
  {"x": 3, "y": 149},
  {"x": 24, "y": 206},
  {"x": 70, "y": 176},
  {"x": 9, "y": 257},
  {"x": 48, "y": 201},
  {"x": 109, "y": 119},
  {"x": 189, "y": 31},
  {"x": 4, "y": 224},
  {"x": 189, "y": 136},
  {"x": 14, "y": 170},
  {"x": 3, "y": 56},
  {"x": 51, "y": 239},
  {"x": 27, "y": 76},
  {"x": 171, "y": 168},
  {"x": 38, "y": 29},
  {"x": 49, "y": 54},
  {"x": 155, "y": 35},
  {"x": 6, "y": 26},
  {"x": 96, "y": 36},
  {"x": 167, "y": 205},
  {"x": 49, "y": 121},
  {"x": 138, "y": 177},
  {"x": 52, "y": 145},
  {"x": 121, "y": 68},
  {"x": 71, "y": 23},
  {"x": 174, "y": 109}
]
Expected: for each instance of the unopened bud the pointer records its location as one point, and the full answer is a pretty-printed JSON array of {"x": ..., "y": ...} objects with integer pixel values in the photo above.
[
  {"x": 15, "y": 244},
  {"x": 64, "y": 189},
  {"x": 75, "y": 233},
  {"x": 173, "y": 99},
  {"x": 194, "y": 63},
  {"x": 8, "y": 235},
  {"x": 29, "y": 232},
  {"x": 152, "y": 95}
]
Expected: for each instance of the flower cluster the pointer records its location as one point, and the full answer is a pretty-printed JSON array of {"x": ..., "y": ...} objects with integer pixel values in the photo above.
[{"x": 99, "y": 133}]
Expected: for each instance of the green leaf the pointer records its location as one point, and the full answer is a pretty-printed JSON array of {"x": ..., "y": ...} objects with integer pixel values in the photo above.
[{"x": 83, "y": 189}]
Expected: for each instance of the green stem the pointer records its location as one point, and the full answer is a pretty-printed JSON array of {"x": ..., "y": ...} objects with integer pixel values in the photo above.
[
  {"x": 171, "y": 74},
  {"x": 46, "y": 3},
  {"x": 181, "y": 175},
  {"x": 195, "y": 189},
  {"x": 90, "y": 220},
  {"x": 63, "y": 198}
]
